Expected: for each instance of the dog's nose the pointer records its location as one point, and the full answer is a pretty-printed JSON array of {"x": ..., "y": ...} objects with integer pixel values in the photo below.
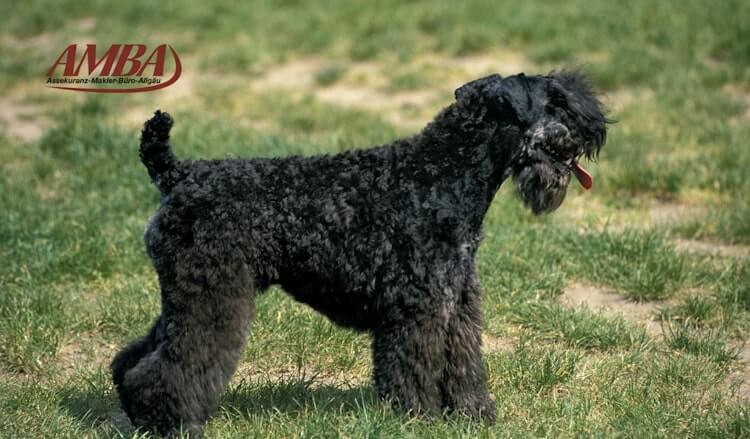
[{"x": 551, "y": 133}]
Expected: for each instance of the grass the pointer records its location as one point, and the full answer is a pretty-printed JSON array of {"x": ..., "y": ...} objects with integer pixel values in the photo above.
[
  {"x": 654, "y": 271},
  {"x": 76, "y": 284},
  {"x": 581, "y": 329},
  {"x": 328, "y": 75},
  {"x": 706, "y": 344},
  {"x": 540, "y": 370}
]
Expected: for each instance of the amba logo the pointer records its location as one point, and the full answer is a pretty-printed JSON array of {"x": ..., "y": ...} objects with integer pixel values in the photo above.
[{"x": 122, "y": 68}]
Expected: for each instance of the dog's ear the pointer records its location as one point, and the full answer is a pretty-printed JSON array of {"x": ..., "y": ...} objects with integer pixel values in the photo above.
[
  {"x": 514, "y": 94},
  {"x": 476, "y": 87}
]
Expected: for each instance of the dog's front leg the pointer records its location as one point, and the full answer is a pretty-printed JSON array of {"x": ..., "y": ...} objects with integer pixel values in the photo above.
[
  {"x": 465, "y": 381},
  {"x": 408, "y": 361}
]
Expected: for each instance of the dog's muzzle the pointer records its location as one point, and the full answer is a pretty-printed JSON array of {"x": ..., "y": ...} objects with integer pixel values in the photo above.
[{"x": 555, "y": 135}]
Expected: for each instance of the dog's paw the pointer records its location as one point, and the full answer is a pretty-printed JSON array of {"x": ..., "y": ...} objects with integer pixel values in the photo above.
[
  {"x": 487, "y": 413},
  {"x": 479, "y": 409}
]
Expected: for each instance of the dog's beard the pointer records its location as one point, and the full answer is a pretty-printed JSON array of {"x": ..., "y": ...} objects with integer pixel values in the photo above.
[{"x": 541, "y": 187}]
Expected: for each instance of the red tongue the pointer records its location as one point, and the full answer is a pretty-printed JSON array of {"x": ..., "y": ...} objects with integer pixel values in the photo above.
[{"x": 583, "y": 175}]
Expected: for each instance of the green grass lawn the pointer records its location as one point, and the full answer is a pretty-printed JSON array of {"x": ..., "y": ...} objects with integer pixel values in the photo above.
[{"x": 625, "y": 313}]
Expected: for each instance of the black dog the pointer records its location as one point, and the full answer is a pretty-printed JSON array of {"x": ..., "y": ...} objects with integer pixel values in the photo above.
[{"x": 380, "y": 240}]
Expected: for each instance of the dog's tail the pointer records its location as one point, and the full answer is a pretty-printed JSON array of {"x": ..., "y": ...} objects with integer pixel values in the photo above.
[{"x": 156, "y": 153}]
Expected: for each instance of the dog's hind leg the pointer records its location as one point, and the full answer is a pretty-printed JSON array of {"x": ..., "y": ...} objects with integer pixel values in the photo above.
[
  {"x": 132, "y": 354},
  {"x": 408, "y": 357},
  {"x": 207, "y": 305},
  {"x": 465, "y": 381}
]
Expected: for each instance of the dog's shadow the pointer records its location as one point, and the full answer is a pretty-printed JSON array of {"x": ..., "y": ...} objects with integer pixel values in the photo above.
[
  {"x": 97, "y": 407},
  {"x": 295, "y": 396}
]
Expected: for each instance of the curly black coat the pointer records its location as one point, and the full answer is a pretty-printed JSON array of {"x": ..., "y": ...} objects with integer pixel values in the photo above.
[{"x": 380, "y": 240}]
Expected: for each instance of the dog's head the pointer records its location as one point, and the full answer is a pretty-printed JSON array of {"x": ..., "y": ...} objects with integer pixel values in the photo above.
[{"x": 558, "y": 119}]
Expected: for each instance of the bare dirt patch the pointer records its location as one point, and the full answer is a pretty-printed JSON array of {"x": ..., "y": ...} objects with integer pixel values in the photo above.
[
  {"x": 40, "y": 41},
  {"x": 586, "y": 208},
  {"x": 474, "y": 66},
  {"x": 348, "y": 95},
  {"x": 84, "y": 351},
  {"x": 493, "y": 344},
  {"x": 740, "y": 92},
  {"x": 673, "y": 213},
  {"x": 22, "y": 120},
  {"x": 365, "y": 85},
  {"x": 298, "y": 74},
  {"x": 362, "y": 86},
  {"x": 175, "y": 96},
  {"x": 712, "y": 248},
  {"x": 401, "y": 109},
  {"x": 738, "y": 380},
  {"x": 587, "y": 211},
  {"x": 609, "y": 303},
  {"x": 86, "y": 24}
]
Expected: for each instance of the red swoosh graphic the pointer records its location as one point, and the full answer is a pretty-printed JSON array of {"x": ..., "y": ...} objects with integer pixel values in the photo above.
[{"x": 172, "y": 80}]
